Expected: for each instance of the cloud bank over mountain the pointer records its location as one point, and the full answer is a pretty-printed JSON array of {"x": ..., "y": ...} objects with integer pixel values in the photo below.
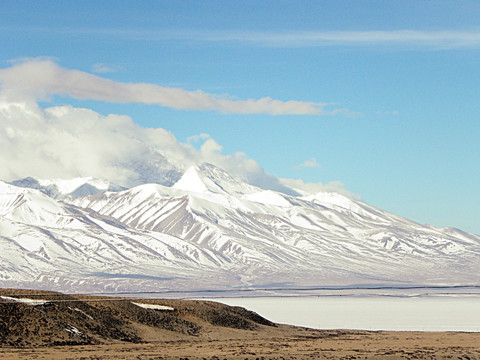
[{"x": 67, "y": 142}]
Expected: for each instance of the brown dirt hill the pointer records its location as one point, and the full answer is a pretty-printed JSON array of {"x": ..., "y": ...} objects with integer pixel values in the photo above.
[{"x": 82, "y": 320}]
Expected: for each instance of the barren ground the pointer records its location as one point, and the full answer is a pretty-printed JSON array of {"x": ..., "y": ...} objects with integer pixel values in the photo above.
[{"x": 74, "y": 327}]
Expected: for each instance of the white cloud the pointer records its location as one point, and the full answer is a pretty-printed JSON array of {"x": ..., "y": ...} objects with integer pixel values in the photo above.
[
  {"x": 197, "y": 138},
  {"x": 446, "y": 39},
  {"x": 440, "y": 39},
  {"x": 402, "y": 38},
  {"x": 42, "y": 78},
  {"x": 67, "y": 142},
  {"x": 425, "y": 39},
  {"x": 312, "y": 163}
]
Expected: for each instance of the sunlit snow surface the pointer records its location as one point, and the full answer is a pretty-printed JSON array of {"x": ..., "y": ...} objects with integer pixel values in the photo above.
[{"x": 153, "y": 306}]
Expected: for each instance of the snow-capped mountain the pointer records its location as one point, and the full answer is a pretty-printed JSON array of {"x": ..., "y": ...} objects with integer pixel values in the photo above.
[
  {"x": 210, "y": 230},
  {"x": 60, "y": 189},
  {"x": 52, "y": 244}
]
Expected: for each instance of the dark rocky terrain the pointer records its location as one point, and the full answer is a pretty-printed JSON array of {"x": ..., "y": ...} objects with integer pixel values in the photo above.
[{"x": 76, "y": 320}]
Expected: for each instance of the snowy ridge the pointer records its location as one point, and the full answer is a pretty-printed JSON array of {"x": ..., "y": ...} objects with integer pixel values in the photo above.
[
  {"x": 60, "y": 189},
  {"x": 210, "y": 230}
]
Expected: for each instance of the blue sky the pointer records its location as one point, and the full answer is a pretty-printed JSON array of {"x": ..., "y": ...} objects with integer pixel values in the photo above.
[{"x": 401, "y": 80}]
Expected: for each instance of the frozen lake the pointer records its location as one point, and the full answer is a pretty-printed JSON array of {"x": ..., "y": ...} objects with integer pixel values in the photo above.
[{"x": 437, "y": 313}]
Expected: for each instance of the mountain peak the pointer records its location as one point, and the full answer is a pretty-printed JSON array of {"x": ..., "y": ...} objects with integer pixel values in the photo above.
[
  {"x": 209, "y": 178},
  {"x": 191, "y": 181}
]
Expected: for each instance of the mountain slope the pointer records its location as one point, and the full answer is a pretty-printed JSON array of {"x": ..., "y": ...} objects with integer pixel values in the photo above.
[
  {"x": 210, "y": 230},
  {"x": 45, "y": 242},
  {"x": 326, "y": 235}
]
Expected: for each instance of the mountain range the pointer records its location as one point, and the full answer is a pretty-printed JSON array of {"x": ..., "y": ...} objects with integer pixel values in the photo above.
[{"x": 209, "y": 230}]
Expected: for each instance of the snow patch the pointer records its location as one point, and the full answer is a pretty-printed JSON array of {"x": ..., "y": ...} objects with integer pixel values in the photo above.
[
  {"x": 81, "y": 312},
  {"x": 26, "y": 301},
  {"x": 73, "y": 330},
  {"x": 268, "y": 197},
  {"x": 154, "y": 307}
]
